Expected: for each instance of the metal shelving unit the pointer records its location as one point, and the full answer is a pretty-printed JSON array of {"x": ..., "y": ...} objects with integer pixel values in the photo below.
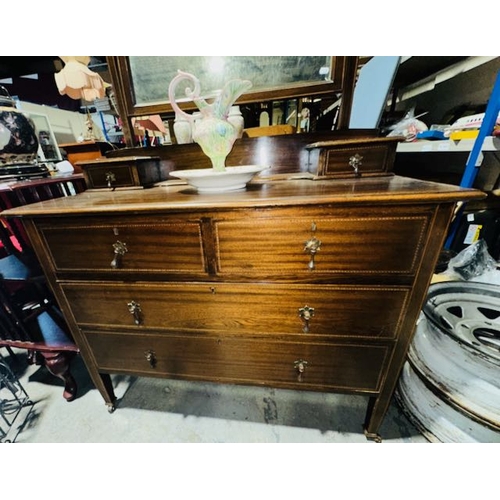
[
  {"x": 448, "y": 146},
  {"x": 474, "y": 159},
  {"x": 13, "y": 400}
]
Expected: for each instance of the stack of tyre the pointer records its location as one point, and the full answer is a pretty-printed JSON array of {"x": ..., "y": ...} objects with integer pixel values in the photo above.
[{"x": 450, "y": 384}]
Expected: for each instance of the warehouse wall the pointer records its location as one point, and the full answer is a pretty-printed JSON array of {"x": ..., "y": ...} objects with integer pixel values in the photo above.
[{"x": 470, "y": 90}]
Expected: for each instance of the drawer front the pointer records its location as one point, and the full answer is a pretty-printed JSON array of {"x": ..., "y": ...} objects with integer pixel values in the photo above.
[
  {"x": 117, "y": 173},
  {"x": 376, "y": 245},
  {"x": 301, "y": 310},
  {"x": 253, "y": 361},
  {"x": 127, "y": 246},
  {"x": 117, "y": 176},
  {"x": 346, "y": 162}
]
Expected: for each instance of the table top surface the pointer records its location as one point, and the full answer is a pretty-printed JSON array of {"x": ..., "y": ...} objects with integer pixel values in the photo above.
[{"x": 289, "y": 191}]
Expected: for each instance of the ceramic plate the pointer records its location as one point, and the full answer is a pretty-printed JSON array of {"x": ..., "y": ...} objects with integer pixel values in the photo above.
[{"x": 207, "y": 180}]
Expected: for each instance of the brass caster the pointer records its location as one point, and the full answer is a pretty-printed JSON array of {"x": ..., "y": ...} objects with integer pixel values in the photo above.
[
  {"x": 373, "y": 436},
  {"x": 111, "y": 407}
]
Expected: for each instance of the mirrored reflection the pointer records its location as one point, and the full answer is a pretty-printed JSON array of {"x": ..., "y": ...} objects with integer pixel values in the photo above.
[{"x": 151, "y": 75}]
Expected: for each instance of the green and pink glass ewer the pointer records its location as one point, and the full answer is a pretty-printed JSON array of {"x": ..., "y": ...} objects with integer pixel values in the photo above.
[{"x": 210, "y": 128}]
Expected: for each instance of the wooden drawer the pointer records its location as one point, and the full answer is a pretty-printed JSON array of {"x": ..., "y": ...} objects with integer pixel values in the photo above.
[
  {"x": 328, "y": 366},
  {"x": 355, "y": 158},
  {"x": 375, "y": 244},
  {"x": 169, "y": 245},
  {"x": 123, "y": 172},
  {"x": 260, "y": 244},
  {"x": 302, "y": 310}
]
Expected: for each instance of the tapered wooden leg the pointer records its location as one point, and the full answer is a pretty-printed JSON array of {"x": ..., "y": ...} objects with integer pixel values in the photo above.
[
  {"x": 58, "y": 363},
  {"x": 372, "y": 423},
  {"x": 110, "y": 397}
]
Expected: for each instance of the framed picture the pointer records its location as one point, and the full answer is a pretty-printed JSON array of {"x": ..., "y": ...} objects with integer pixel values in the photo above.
[{"x": 48, "y": 149}]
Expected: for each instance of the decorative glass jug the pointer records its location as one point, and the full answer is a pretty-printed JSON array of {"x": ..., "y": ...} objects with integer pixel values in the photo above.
[{"x": 211, "y": 130}]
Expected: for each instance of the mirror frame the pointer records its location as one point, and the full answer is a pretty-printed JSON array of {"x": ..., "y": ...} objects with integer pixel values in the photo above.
[{"x": 343, "y": 73}]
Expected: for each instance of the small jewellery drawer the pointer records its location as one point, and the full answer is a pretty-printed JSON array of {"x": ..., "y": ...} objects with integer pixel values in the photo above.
[
  {"x": 356, "y": 158},
  {"x": 302, "y": 310},
  {"x": 320, "y": 366},
  {"x": 378, "y": 245},
  {"x": 127, "y": 245},
  {"x": 129, "y": 171}
]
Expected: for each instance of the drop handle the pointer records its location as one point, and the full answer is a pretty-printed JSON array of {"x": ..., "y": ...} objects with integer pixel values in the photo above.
[
  {"x": 135, "y": 310},
  {"x": 119, "y": 249},
  {"x": 306, "y": 313},
  {"x": 355, "y": 162},
  {"x": 300, "y": 366},
  {"x": 312, "y": 247},
  {"x": 110, "y": 180},
  {"x": 150, "y": 358}
]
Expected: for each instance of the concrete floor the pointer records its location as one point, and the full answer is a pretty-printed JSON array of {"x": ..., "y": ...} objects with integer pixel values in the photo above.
[{"x": 153, "y": 410}]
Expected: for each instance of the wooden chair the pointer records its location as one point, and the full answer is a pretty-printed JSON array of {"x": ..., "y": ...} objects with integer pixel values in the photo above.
[{"x": 29, "y": 316}]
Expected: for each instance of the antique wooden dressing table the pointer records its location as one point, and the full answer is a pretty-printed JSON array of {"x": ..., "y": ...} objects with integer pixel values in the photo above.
[
  {"x": 292, "y": 283},
  {"x": 312, "y": 278}
]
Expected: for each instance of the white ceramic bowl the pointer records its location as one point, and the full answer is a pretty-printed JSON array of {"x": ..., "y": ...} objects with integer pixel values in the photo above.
[{"x": 208, "y": 180}]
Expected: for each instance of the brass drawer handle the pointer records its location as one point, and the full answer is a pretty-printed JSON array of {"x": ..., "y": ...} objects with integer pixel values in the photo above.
[
  {"x": 135, "y": 310},
  {"x": 312, "y": 247},
  {"x": 355, "y": 162},
  {"x": 300, "y": 365},
  {"x": 306, "y": 313},
  {"x": 150, "y": 358},
  {"x": 110, "y": 180},
  {"x": 119, "y": 249}
]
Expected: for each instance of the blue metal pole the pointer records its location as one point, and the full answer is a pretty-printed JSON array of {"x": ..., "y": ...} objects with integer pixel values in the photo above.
[
  {"x": 471, "y": 167},
  {"x": 101, "y": 116},
  {"x": 489, "y": 120}
]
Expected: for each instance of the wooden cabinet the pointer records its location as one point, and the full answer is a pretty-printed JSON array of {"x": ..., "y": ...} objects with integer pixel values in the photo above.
[{"x": 297, "y": 284}]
